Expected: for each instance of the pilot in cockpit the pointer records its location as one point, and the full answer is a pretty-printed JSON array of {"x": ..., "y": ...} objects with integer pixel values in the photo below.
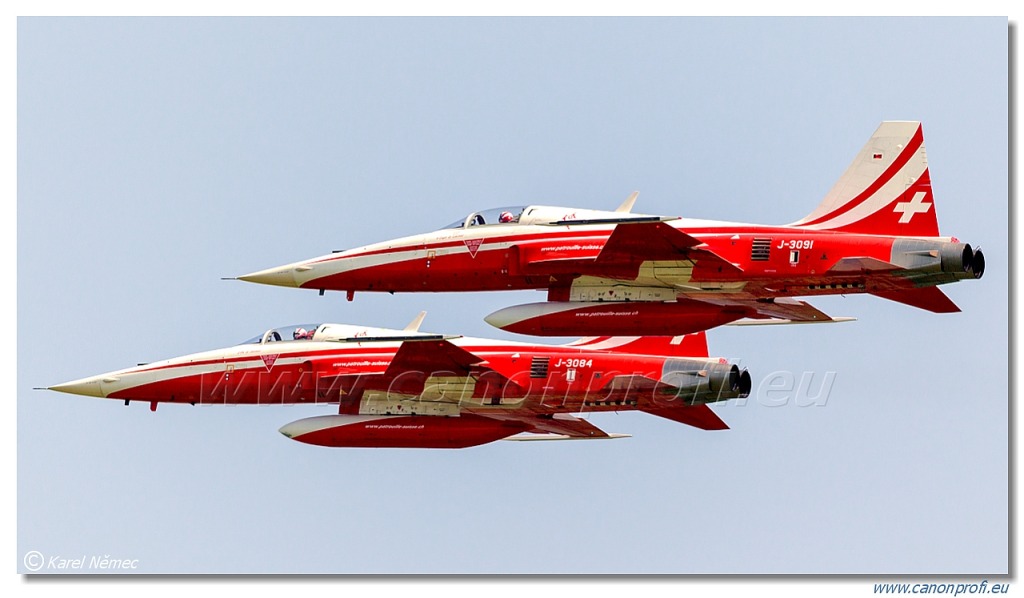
[
  {"x": 302, "y": 334},
  {"x": 506, "y": 217}
]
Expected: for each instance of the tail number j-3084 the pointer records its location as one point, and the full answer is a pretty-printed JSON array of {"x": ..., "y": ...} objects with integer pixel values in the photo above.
[
  {"x": 796, "y": 244},
  {"x": 574, "y": 363}
]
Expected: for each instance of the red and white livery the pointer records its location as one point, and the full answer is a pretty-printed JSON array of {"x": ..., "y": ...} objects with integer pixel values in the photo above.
[
  {"x": 615, "y": 272},
  {"x": 405, "y": 388}
]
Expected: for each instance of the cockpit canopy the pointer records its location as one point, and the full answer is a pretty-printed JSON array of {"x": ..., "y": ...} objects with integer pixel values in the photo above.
[
  {"x": 506, "y": 215},
  {"x": 297, "y": 332},
  {"x": 332, "y": 332},
  {"x": 543, "y": 215}
]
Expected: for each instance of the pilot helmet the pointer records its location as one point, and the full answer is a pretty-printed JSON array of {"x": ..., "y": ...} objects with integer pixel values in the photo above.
[
  {"x": 505, "y": 217},
  {"x": 300, "y": 333}
]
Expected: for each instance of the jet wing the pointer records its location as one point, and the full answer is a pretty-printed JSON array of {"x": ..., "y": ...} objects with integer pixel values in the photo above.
[
  {"x": 929, "y": 298},
  {"x": 568, "y": 425},
  {"x": 645, "y": 241},
  {"x": 431, "y": 356},
  {"x": 634, "y": 243},
  {"x": 563, "y": 425},
  {"x": 530, "y": 436},
  {"x": 412, "y": 366},
  {"x": 778, "y": 308},
  {"x": 629, "y": 245},
  {"x": 785, "y": 308}
]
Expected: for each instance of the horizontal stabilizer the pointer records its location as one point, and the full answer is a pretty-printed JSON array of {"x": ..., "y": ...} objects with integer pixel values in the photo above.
[
  {"x": 929, "y": 298},
  {"x": 698, "y": 416}
]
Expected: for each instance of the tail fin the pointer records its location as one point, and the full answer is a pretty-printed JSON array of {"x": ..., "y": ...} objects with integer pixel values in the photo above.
[
  {"x": 885, "y": 191},
  {"x": 689, "y": 345}
]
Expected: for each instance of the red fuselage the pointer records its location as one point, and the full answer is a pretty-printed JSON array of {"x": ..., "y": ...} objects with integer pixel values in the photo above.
[
  {"x": 442, "y": 262},
  {"x": 456, "y": 390},
  {"x": 875, "y": 232}
]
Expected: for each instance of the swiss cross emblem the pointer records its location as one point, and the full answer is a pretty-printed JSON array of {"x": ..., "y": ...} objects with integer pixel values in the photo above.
[
  {"x": 908, "y": 209},
  {"x": 473, "y": 245},
  {"x": 268, "y": 360}
]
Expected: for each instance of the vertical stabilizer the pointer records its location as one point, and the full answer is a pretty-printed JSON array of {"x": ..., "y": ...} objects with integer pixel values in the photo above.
[{"x": 885, "y": 191}]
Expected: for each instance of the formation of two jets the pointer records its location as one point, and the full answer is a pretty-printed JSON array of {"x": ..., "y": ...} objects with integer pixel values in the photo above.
[{"x": 642, "y": 287}]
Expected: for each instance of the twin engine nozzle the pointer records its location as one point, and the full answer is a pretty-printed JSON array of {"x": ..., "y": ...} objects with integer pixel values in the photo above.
[
  {"x": 698, "y": 382},
  {"x": 938, "y": 262},
  {"x": 957, "y": 258}
]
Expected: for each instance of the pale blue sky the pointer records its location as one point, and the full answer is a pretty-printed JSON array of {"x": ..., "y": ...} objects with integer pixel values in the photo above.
[{"x": 157, "y": 155}]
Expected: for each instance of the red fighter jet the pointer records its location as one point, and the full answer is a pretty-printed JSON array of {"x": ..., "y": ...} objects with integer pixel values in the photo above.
[
  {"x": 614, "y": 272},
  {"x": 405, "y": 388}
]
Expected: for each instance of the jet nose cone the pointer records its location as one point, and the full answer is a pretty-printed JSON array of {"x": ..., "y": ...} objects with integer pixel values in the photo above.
[
  {"x": 87, "y": 387},
  {"x": 282, "y": 276}
]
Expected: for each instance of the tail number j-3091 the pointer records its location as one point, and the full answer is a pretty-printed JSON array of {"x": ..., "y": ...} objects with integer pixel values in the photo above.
[{"x": 796, "y": 244}]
